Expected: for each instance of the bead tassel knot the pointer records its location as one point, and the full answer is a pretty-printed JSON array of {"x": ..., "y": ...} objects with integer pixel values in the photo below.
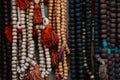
[
  {"x": 34, "y": 74},
  {"x": 8, "y": 33},
  {"x": 48, "y": 37},
  {"x": 37, "y": 14},
  {"x": 23, "y": 4}
]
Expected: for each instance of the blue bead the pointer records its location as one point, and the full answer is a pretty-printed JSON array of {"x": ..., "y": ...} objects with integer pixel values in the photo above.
[
  {"x": 108, "y": 51},
  {"x": 104, "y": 43},
  {"x": 116, "y": 50}
]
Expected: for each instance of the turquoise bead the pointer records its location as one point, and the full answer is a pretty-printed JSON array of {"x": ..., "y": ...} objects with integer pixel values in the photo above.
[
  {"x": 108, "y": 51},
  {"x": 104, "y": 43},
  {"x": 116, "y": 50}
]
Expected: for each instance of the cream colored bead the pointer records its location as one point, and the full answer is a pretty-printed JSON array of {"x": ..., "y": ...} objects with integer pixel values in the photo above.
[
  {"x": 14, "y": 58},
  {"x": 23, "y": 57},
  {"x": 24, "y": 43},
  {"x": 30, "y": 24},
  {"x": 14, "y": 33},
  {"x": 41, "y": 55},
  {"x": 14, "y": 40},
  {"x": 23, "y": 54},
  {"x": 22, "y": 69},
  {"x": 14, "y": 7},
  {"x": 14, "y": 69},
  {"x": 22, "y": 18},
  {"x": 33, "y": 62},
  {"x": 30, "y": 35},
  {"x": 14, "y": 65},
  {"x": 49, "y": 63},
  {"x": 22, "y": 15},
  {"x": 22, "y": 61},
  {"x": 24, "y": 50},
  {"x": 30, "y": 56},
  {"x": 24, "y": 40},
  {"x": 14, "y": 77},
  {"x": 48, "y": 59},
  {"x": 31, "y": 10},
  {"x": 14, "y": 15},
  {"x": 14, "y": 12},
  {"x": 49, "y": 66},
  {"x": 32, "y": 42},
  {"x": 14, "y": 37},
  {"x": 14, "y": 62},
  {"x": 41, "y": 62},
  {"x": 14, "y": 51},
  {"x": 27, "y": 64},
  {"x": 31, "y": 52},
  {"x": 14, "y": 18},
  {"x": 14, "y": 23},
  {"x": 30, "y": 31},
  {"x": 22, "y": 11}
]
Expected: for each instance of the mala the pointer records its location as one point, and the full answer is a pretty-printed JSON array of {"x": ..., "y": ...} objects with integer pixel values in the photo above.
[
  {"x": 57, "y": 17},
  {"x": 72, "y": 30},
  {"x": 23, "y": 32},
  {"x": 118, "y": 37},
  {"x": 5, "y": 52},
  {"x": 96, "y": 30}
]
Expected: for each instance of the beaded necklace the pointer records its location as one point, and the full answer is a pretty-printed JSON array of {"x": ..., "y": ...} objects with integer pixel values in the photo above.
[
  {"x": 81, "y": 39},
  {"x": 72, "y": 36},
  {"x": 57, "y": 16},
  {"x": 89, "y": 38},
  {"x": 6, "y": 45},
  {"x": 27, "y": 59},
  {"x": 103, "y": 18},
  {"x": 118, "y": 37},
  {"x": 14, "y": 43},
  {"x": 113, "y": 33},
  {"x": 96, "y": 34},
  {"x": 104, "y": 35},
  {"x": 1, "y": 42}
]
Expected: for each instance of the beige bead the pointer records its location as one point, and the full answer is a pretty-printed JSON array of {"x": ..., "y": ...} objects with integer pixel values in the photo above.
[
  {"x": 14, "y": 69},
  {"x": 14, "y": 18},
  {"x": 22, "y": 61},
  {"x": 30, "y": 56},
  {"x": 14, "y": 65},
  {"x": 14, "y": 58},
  {"x": 14, "y": 62},
  {"x": 14, "y": 77},
  {"x": 27, "y": 64},
  {"x": 14, "y": 7},
  {"x": 23, "y": 53},
  {"x": 14, "y": 40},
  {"x": 14, "y": 12}
]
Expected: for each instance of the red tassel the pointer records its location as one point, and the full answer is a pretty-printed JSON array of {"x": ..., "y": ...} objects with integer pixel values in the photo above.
[
  {"x": 49, "y": 37},
  {"x": 35, "y": 31},
  {"x": 23, "y": 4},
  {"x": 34, "y": 74},
  {"x": 37, "y": 14},
  {"x": 8, "y": 33},
  {"x": 54, "y": 58}
]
